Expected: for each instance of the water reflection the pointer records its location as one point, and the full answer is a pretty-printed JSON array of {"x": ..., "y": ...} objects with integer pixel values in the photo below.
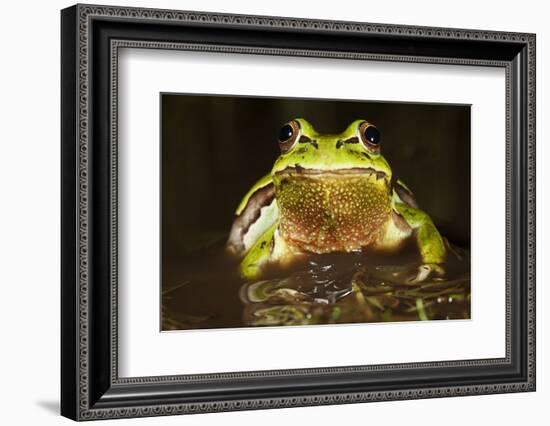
[
  {"x": 323, "y": 289},
  {"x": 348, "y": 290}
]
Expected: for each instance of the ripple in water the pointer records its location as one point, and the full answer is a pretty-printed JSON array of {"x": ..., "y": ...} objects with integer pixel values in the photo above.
[{"x": 322, "y": 289}]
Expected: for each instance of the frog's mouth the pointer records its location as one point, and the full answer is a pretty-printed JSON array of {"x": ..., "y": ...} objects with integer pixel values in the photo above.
[{"x": 349, "y": 172}]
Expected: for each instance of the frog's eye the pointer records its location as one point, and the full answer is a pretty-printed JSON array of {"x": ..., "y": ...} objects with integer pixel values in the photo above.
[
  {"x": 288, "y": 135},
  {"x": 370, "y": 136}
]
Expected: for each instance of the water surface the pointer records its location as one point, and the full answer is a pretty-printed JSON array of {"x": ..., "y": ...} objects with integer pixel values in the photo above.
[{"x": 206, "y": 291}]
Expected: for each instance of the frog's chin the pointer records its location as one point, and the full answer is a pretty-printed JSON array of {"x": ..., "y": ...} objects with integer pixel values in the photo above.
[{"x": 347, "y": 172}]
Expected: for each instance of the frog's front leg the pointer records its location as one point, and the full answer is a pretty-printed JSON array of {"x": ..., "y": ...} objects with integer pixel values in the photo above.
[
  {"x": 259, "y": 254},
  {"x": 270, "y": 248},
  {"x": 429, "y": 241}
]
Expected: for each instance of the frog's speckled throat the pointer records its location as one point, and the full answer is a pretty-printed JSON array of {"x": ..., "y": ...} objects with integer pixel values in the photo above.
[{"x": 334, "y": 211}]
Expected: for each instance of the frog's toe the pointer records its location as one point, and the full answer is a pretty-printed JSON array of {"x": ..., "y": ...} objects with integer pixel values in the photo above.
[{"x": 425, "y": 271}]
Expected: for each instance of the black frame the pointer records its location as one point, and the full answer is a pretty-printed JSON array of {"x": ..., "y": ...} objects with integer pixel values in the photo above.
[{"x": 91, "y": 37}]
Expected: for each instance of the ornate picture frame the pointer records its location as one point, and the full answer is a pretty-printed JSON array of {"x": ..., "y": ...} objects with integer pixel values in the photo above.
[{"x": 91, "y": 39}]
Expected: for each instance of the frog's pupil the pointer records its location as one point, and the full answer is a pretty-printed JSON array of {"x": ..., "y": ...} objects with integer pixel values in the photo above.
[
  {"x": 285, "y": 133},
  {"x": 372, "y": 135}
]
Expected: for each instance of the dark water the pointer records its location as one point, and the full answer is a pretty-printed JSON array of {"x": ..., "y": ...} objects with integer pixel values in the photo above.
[{"x": 206, "y": 292}]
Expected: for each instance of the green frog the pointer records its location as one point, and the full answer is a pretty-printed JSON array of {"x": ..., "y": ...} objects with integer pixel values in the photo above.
[{"x": 330, "y": 193}]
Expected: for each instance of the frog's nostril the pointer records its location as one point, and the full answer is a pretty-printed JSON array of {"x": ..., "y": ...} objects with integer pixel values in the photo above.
[
  {"x": 340, "y": 142},
  {"x": 305, "y": 139}
]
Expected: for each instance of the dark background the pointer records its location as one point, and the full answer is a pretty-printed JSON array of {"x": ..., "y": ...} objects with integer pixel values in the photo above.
[{"x": 215, "y": 147}]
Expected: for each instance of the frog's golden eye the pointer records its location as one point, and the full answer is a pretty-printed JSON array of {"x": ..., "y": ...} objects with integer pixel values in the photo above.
[
  {"x": 370, "y": 136},
  {"x": 288, "y": 135}
]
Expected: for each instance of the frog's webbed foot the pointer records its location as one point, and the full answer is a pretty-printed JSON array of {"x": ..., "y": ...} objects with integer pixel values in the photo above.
[{"x": 425, "y": 271}]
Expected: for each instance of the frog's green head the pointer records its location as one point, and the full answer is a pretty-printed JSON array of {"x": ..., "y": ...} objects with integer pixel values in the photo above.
[
  {"x": 355, "y": 150},
  {"x": 333, "y": 191}
]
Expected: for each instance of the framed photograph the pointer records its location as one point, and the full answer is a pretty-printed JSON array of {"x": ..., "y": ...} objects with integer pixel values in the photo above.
[{"x": 264, "y": 212}]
